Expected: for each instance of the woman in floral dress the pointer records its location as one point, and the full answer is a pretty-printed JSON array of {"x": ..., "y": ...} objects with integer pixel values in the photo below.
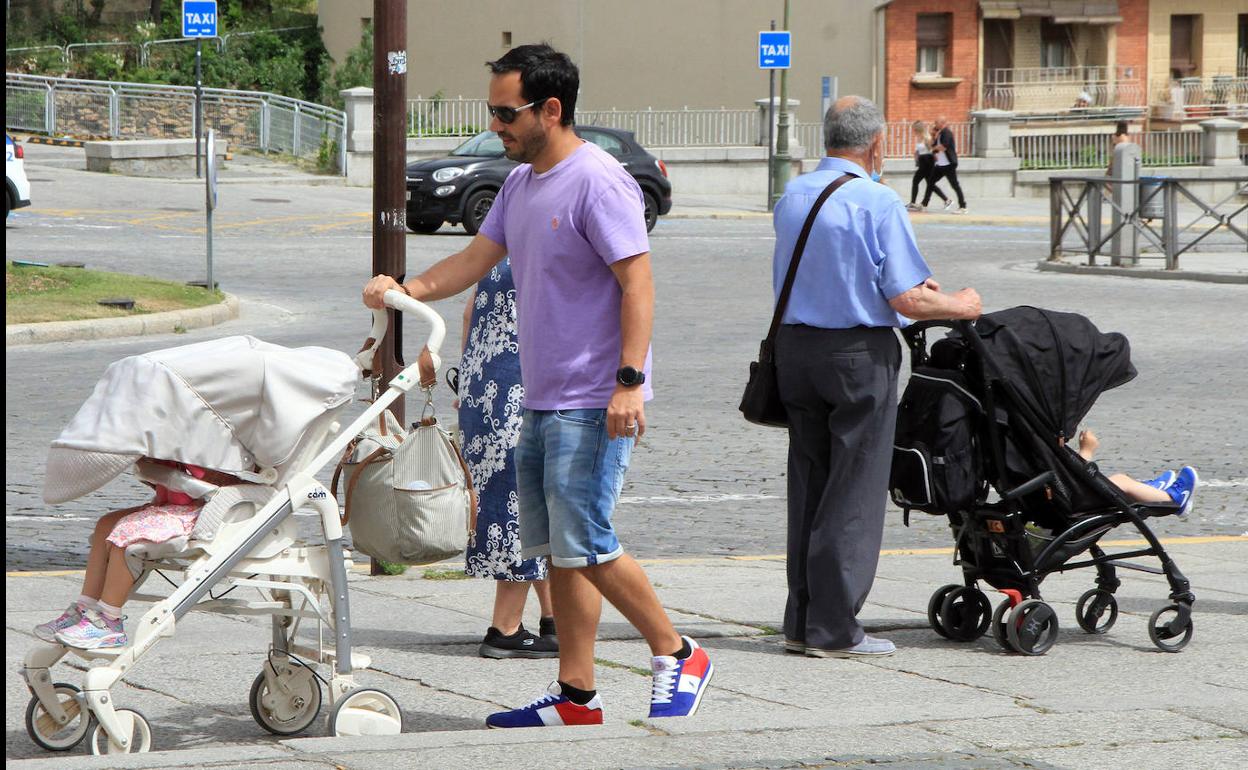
[{"x": 490, "y": 395}]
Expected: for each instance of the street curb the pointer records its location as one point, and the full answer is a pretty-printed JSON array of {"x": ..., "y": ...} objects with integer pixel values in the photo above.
[
  {"x": 129, "y": 326},
  {"x": 1045, "y": 265}
]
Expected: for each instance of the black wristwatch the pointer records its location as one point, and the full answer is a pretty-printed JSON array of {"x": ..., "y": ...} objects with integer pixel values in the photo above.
[{"x": 629, "y": 377}]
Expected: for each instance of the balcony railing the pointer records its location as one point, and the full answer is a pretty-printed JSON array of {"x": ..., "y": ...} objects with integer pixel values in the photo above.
[
  {"x": 1045, "y": 90},
  {"x": 1200, "y": 97}
]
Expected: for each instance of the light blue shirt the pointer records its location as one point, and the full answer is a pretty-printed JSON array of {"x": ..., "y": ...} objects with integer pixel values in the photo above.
[{"x": 860, "y": 254}]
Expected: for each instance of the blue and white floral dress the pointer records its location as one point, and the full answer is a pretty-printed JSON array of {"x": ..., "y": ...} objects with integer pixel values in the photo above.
[{"x": 490, "y": 395}]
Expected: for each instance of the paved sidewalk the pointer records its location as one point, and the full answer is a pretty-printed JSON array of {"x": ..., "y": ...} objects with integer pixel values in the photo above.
[{"x": 1108, "y": 701}]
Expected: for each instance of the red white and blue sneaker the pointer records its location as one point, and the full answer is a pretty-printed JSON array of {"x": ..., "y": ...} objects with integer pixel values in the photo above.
[
  {"x": 551, "y": 710},
  {"x": 1183, "y": 490},
  {"x": 679, "y": 684}
]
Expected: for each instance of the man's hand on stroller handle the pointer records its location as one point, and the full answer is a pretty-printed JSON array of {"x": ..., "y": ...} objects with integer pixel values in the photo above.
[{"x": 428, "y": 361}]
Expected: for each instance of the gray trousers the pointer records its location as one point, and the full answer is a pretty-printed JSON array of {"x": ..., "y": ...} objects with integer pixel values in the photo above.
[{"x": 840, "y": 389}]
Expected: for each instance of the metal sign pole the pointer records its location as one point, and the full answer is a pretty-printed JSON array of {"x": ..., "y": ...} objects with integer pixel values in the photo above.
[
  {"x": 210, "y": 198},
  {"x": 771, "y": 132},
  {"x": 199, "y": 101}
]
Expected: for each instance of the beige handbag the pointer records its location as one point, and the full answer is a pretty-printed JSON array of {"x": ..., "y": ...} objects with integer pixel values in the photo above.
[{"x": 409, "y": 497}]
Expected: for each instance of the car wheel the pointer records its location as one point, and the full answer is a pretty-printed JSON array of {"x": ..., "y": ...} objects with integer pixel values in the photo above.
[
  {"x": 475, "y": 209},
  {"x": 424, "y": 226},
  {"x": 652, "y": 210}
]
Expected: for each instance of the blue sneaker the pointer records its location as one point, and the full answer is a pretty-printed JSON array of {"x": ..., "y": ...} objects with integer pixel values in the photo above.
[
  {"x": 1162, "y": 481},
  {"x": 679, "y": 684},
  {"x": 1183, "y": 490},
  {"x": 551, "y": 710}
]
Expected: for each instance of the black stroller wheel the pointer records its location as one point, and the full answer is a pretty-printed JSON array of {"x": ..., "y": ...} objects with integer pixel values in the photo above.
[
  {"x": 1167, "y": 634},
  {"x": 1097, "y": 611},
  {"x": 965, "y": 614},
  {"x": 998, "y": 626},
  {"x": 933, "y": 608},
  {"x": 1032, "y": 627}
]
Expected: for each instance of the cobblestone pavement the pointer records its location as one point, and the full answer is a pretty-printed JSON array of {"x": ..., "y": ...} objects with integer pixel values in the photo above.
[{"x": 704, "y": 482}]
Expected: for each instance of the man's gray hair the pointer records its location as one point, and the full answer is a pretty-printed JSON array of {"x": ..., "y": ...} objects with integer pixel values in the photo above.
[{"x": 854, "y": 126}]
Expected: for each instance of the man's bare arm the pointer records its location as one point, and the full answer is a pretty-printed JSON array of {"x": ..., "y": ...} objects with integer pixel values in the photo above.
[
  {"x": 445, "y": 279},
  {"x": 627, "y": 405},
  {"x": 926, "y": 302}
]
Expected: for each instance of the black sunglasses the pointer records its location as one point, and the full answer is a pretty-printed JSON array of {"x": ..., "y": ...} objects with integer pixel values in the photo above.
[{"x": 508, "y": 115}]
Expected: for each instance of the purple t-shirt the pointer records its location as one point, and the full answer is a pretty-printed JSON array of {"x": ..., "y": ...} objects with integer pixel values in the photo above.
[{"x": 563, "y": 229}]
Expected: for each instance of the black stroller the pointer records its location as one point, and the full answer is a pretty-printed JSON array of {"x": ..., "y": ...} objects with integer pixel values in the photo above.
[{"x": 982, "y": 432}]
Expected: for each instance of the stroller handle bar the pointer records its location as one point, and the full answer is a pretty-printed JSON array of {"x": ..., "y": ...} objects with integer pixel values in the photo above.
[{"x": 381, "y": 321}]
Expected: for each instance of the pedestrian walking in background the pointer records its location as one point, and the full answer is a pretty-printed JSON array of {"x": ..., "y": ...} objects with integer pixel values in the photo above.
[
  {"x": 946, "y": 151},
  {"x": 572, "y": 220},
  {"x": 837, "y": 359},
  {"x": 924, "y": 167},
  {"x": 490, "y": 398}
]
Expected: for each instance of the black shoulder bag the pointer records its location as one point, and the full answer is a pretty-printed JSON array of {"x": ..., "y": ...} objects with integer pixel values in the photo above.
[{"x": 761, "y": 402}]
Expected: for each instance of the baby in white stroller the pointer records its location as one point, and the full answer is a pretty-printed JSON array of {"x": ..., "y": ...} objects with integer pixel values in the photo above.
[{"x": 229, "y": 433}]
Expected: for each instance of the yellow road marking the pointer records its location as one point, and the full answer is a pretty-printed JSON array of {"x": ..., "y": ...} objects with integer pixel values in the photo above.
[{"x": 1195, "y": 540}]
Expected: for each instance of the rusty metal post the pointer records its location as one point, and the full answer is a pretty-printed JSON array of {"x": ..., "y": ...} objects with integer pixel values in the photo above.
[{"x": 389, "y": 177}]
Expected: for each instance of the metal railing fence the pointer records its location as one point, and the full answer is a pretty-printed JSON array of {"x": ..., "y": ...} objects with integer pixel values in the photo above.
[
  {"x": 1201, "y": 97},
  {"x": 1076, "y": 224},
  {"x": 1060, "y": 89},
  {"x": 899, "y": 138},
  {"x": 1158, "y": 148},
  {"x": 117, "y": 110},
  {"x": 428, "y": 117}
]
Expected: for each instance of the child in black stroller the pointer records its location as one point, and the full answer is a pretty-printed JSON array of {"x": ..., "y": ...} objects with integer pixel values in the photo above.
[{"x": 982, "y": 433}]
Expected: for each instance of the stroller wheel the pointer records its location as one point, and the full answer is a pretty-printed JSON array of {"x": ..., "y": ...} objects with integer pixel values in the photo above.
[
  {"x": 290, "y": 709},
  {"x": 367, "y": 711},
  {"x": 50, "y": 734},
  {"x": 998, "y": 626},
  {"x": 1096, "y": 611},
  {"x": 1032, "y": 627},
  {"x": 138, "y": 739},
  {"x": 965, "y": 614},
  {"x": 1169, "y": 635},
  {"x": 933, "y": 608}
]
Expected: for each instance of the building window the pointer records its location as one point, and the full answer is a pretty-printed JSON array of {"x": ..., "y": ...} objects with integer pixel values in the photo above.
[
  {"x": 1184, "y": 39},
  {"x": 506, "y": 40},
  {"x": 932, "y": 39},
  {"x": 1055, "y": 47}
]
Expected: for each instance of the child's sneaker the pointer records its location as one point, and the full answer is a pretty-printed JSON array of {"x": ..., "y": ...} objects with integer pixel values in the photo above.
[
  {"x": 1183, "y": 490},
  {"x": 679, "y": 684},
  {"x": 1163, "y": 481},
  {"x": 551, "y": 710},
  {"x": 70, "y": 617},
  {"x": 94, "y": 631}
]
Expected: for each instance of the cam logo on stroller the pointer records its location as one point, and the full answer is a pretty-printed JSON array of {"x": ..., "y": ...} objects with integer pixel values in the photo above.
[{"x": 317, "y": 494}]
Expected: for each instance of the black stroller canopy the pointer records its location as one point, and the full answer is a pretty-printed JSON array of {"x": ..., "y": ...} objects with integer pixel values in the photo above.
[{"x": 1059, "y": 362}]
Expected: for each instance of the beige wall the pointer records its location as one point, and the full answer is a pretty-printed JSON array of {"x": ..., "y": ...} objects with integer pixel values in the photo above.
[
  {"x": 1217, "y": 49},
  {"x": 632, "y": 54}
]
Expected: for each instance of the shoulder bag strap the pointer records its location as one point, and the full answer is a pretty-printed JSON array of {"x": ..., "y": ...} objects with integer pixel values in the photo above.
[{"x": 791, "y": 277}]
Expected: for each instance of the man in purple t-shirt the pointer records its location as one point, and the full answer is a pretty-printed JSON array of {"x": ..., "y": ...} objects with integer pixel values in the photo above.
[{"x": 572, "y": 221}]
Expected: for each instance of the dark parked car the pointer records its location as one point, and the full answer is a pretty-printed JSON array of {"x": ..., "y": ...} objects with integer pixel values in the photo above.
[{"x": 460, "y": 188}]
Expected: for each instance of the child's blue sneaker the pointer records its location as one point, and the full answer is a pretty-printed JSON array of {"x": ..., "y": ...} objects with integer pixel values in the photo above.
[
  {"x": 679, "y": 684},
  {"x": 94, "y": 631},
  {"x": 69, "y": 618},
  {"x": 1163, "y": 481},
  {"x": 1183, "y": 490}
]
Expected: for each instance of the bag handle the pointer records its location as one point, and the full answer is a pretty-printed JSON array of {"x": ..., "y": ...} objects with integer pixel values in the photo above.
[
  {"x": 791, "y": 277},
  {"x": 472, "y": 490},
  {"x": 346, "y": 502}
]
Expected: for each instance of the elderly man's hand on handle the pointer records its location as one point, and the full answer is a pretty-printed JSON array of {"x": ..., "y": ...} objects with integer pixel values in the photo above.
[{"x": 925, "y": 302}]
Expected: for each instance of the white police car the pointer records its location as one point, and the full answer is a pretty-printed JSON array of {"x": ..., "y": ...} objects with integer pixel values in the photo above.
[{"x": 14, "y": 177}]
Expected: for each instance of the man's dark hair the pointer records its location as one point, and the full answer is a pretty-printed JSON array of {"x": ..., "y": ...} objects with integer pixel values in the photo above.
[
  {"x": 1121, "y": 128},
  {"x": 544, "y": 73}
]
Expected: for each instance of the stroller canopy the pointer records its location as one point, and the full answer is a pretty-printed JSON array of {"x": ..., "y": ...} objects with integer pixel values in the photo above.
[
  {"x": 1059, "y": 362},
  {"x": 232, "y": 405}
]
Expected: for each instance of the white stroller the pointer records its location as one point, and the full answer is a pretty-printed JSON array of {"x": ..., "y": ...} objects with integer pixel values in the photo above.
[{"x": 267, "y": 415}]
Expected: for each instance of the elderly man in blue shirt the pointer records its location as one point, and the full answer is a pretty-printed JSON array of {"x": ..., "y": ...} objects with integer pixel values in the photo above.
[{"x": 837, "y": 358}]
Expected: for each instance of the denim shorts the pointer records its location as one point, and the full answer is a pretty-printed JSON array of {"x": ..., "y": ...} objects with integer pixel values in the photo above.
[{"x": 569, "y": 474}]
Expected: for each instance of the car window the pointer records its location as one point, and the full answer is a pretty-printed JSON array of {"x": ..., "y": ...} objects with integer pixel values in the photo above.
[
  {"x": 608, "y": 142},
  {"x": 486, "y": 144}
]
